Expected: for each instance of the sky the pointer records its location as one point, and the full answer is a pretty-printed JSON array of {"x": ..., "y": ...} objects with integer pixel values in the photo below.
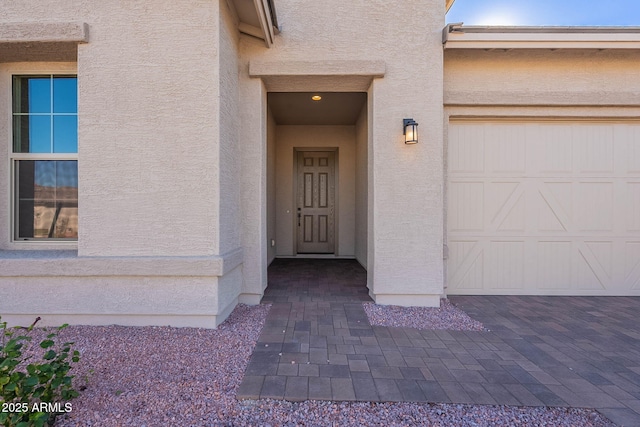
[{"x": 546, "y": 12}]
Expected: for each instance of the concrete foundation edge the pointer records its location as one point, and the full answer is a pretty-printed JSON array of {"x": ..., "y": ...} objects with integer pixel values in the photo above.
[
  {"x": 180, "y": 301},
  {"x": 180, "y": 321},
  {"x": 250, "y": 299},
  {"x": 407, "y": 300}
]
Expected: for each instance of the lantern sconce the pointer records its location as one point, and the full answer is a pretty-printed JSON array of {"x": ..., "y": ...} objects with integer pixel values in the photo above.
[{"x": 410, "y": 131}]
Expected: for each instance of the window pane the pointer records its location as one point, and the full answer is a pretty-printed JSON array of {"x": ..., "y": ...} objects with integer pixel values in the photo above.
[
  {"x": 47, "y": 193},
  {"x": 32, "y": 94},
  {"x": 32, "y": 134},
  {"x": 67, "y": 179},
  {"x": 65, "y": 134},
  {"x": 65, "y": 95}
]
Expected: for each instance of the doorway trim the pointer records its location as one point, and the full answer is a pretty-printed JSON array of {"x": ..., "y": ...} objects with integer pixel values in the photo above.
[{"x": 294, "y": 222}]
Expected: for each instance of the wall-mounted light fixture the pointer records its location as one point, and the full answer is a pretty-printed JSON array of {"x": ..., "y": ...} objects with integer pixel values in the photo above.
[{"x": 410, "y": 131}]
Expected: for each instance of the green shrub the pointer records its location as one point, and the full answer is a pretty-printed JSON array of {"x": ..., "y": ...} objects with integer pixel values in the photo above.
[{"x": 33, "y": 395}]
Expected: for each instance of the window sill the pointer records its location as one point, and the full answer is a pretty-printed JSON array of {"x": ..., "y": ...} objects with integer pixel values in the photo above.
[
  {"x": 38, "y": 254},
  {"x": 67, "y": 263},
  {"x": 40, "y": 246}
]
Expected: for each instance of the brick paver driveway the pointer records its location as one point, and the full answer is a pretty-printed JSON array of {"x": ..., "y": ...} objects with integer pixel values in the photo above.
[{"x": 538, "y": 351}]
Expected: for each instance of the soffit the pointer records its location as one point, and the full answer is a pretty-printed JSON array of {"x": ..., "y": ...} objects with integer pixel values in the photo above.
[
  {"x": 335, "y": 108},
  {"x": 256, "y": 18},
  {"x": 38, "y": 52},
  {"x": 458, "y": 36},
  {"x": 328, "y": 76}
]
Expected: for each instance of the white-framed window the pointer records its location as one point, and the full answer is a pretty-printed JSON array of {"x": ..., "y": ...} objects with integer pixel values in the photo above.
[{"x": 44, "y": 157}]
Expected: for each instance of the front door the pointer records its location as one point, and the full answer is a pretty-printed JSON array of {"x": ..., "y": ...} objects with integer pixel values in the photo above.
[{"x": 316, "y": 202}]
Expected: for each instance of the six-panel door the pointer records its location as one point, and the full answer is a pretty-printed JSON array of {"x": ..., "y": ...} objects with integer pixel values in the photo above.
[{"x": 315, "y": 214}]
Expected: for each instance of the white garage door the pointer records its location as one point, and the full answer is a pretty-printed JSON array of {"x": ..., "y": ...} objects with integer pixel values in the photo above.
[{"x": 543, "y": 208}]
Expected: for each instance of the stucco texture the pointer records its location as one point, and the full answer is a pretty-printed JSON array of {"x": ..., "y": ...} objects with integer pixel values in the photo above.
[
  {"x": 147, "y": 133},
  {"x": 544, "y": 77}
]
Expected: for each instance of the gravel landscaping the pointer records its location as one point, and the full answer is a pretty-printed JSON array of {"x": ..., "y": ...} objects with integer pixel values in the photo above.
[
  {"x": 447, "y": 317},
  {"x": 162, "y": 376}
]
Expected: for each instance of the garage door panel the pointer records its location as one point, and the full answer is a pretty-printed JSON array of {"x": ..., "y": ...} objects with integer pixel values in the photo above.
[
  {"x": 601, "y": 254},
  {"x": 594, "y": 202},
  {"x": 553, "y": 216},
  {"x": 554, "y": 149},
  {"x": 467, "y": 200},
  {"x": 562, "y": 217},
  {"x": 588, "y": 279},
  {"x": 506, "y": 148},
  {"x": 554, "y": 265},
  {"x": 633, "y": 208},
  {"x": 511, "y": 216},
  {"x": 590, "y": 273},
  {"x": 467, "y": 257},
  {"x": 468, "y": 155},
  {"x": 593, "y": 145},
  {"x": 632, "y": 157},
  {"x": 632, "y": 264},
  {"x": 507, "y": 261}
]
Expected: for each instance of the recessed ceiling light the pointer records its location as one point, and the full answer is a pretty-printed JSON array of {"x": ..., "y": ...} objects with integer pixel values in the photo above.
[{"x": 316, "y": 97}]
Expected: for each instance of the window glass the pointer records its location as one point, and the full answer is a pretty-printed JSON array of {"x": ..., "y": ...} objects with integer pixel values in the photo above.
[
  {"x": 32, "y": 134},
  {"x": 32, "y": 94},
  {"x": 37, "y": 127},
  {"x": 65, "y": 95},
  {"x": 65, "y": 134},
  {"x": 47, "y": 196},
  {"x": 45, "y": 124}
]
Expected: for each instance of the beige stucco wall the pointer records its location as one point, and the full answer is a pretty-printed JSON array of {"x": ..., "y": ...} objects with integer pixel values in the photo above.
[
  {"x": 61, "y": 287},
  {"x": 253, "y": 183},
  {"x": 406, "y": 233},
  {"x": 158, "y": 146},
  {"x": 362, "y": 187},
  {"x": 541, "y": 77},
  {"x": 137, "y": 112},
  {"x": 146, "y": 176},
  {"x": 289, "y": 138},
  {"x": 108, "y": 300},
  {"x": 228, "y": 143},
  {"x": 271, "y": 187}
]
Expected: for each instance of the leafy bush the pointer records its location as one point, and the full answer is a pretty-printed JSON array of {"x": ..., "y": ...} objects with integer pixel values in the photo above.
[{"x": 33, "y": 395}]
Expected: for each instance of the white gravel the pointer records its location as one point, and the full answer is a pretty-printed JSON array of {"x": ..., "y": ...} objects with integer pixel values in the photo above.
[
  {"x": 162, "y": 376},
  {"x": 448, "y": 317}
]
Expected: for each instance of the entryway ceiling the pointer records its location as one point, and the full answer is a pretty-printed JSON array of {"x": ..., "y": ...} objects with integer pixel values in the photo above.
[{"x": 335, "y": 108}]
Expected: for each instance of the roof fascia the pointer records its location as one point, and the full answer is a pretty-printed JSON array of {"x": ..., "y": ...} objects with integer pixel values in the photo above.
[{"x": 457, "y": 36}]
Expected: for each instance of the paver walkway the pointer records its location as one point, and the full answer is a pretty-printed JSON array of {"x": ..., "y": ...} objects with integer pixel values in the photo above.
[{"x": 539, "y": 351}]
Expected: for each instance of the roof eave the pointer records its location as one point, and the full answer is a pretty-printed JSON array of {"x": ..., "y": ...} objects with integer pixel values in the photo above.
[
  {"x": 256, "y": 18},
  {"x": 457, "y": 36}
]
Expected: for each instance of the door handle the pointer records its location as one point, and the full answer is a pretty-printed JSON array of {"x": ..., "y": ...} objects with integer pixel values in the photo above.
[{"x": 299, "y": 216}]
